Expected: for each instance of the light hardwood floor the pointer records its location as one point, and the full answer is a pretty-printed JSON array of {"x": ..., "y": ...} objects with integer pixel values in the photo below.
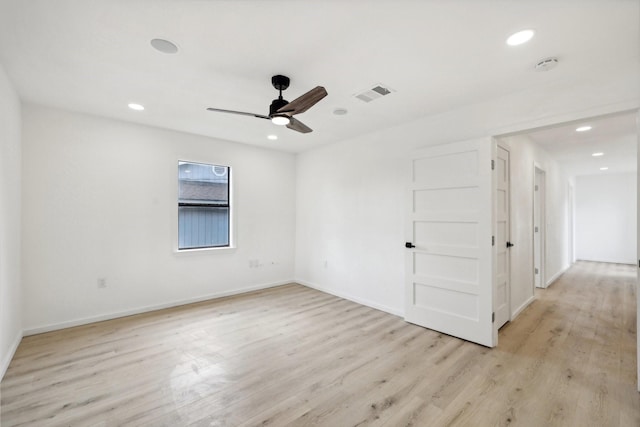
[{"x": 294, "y": 356}]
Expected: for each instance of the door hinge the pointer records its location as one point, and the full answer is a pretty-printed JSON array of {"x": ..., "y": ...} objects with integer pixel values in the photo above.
[
  {"x": 535, "y": 229},
  {"x": 493, "y": 317},
  {"x": 493, "y": 164},
  {"x": 536, "y": 271},
  {"x": 536, "y": 188},
  {"x": 493, "y": 241}
]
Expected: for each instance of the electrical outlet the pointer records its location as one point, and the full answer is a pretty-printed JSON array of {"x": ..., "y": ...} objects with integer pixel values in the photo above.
[{"x": 102, "y": 282}]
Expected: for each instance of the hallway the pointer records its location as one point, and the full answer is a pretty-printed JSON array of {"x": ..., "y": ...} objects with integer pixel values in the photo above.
[{"x": 580, "y": 336}]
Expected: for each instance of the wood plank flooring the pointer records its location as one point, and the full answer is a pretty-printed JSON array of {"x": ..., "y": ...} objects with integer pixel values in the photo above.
[{"x": 293, "y": 356}]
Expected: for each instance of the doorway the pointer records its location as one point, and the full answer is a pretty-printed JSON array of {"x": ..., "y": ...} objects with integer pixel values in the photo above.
[{"x": 582, "y": 146}]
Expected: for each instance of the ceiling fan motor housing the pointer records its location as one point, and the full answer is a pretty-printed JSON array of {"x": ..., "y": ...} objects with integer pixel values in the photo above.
[{"x": 276, "y": 105}]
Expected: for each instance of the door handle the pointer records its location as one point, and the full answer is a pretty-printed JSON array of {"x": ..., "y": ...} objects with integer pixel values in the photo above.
[
  {"x": 509, "y": 244},
  {"x": 409, "y": 245}
]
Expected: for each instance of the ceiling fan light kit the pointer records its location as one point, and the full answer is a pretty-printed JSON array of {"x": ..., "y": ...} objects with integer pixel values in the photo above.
[
  {"x": 281, "y": 111},
  {"x": 280, "y": 120}
]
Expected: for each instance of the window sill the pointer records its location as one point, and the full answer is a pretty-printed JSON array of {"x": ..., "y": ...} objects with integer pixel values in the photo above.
[{"x": 202, "y": 251}]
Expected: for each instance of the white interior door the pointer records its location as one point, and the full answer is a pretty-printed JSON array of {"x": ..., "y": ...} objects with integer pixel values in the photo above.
[
  {"x": 449, "y": 264},
  {"x": 502, "y": 292}
]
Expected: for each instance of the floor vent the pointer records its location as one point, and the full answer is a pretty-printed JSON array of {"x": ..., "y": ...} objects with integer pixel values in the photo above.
[{"x": 378, "y": 91}]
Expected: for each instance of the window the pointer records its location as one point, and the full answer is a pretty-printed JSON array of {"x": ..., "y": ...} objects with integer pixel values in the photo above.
[{"x": 203, "y": 205}]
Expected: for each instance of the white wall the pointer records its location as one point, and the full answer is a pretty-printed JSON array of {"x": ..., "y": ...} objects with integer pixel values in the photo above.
[
  {"x": 525, "y": 155},
  {"x": 351, "y": 195},
  {"x": 557, "y": 211},
  {"x": 605, "y": 212},
  {"x": 10, "y": 212},
  {"x": 354, "y": 217},
  {"x": 350, "y": 234},
  {"x": 99, "y": 201}
]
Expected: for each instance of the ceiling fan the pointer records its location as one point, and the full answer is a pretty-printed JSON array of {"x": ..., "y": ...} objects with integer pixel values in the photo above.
[{"x": 281, "y": 111}]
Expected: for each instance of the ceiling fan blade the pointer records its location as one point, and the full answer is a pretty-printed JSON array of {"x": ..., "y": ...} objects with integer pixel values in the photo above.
[
  {"x": 298, "y": 126},
  {"x": 260, "y": 116},
  {"x": 304, "y": 102}
]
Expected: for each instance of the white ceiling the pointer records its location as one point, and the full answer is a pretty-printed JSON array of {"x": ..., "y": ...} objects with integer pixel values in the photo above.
[
  {"x": 95, "y": 57},
  {"x": 615, "y": 136}
]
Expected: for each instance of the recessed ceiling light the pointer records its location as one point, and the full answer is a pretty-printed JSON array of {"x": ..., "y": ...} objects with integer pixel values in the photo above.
[
  {"x": 272, "y": 137},
  {"x": 520, "y": 37},
  {"x": 136, "y": 107},
  {"x": 340, "y": 111},
  {"x": 604, "y": 168},
  {"x": 583, "y": 128},
  {"x": 164, "y": 46},
  {"x": 598, "y": 154}
]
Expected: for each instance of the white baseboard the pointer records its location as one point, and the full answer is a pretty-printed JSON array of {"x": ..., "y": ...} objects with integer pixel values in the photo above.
[
  {"x": 6, "y": 360},
  {"x": 520, "y": 309},
  {"x": 556, "y": 276},
  {"x": 145, "y": 309},
  {"x": 627, "y": 262},
  {"x": 355, "y": 299}
]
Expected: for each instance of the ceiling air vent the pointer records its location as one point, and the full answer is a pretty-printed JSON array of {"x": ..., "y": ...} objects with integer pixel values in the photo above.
[
  {"x": 378, "y": 91},
  {"x": 546, "y": 64}
]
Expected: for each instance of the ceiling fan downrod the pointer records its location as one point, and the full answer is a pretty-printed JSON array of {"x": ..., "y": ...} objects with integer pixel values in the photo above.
[{"x": 280, "y": 83}]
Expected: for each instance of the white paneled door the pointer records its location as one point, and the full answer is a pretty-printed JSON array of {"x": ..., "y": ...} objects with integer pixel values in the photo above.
[{"x": 449, "y": 262}]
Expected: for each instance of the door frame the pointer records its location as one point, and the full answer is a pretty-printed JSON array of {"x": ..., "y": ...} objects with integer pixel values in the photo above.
[
  {"x": 629, "y": 106},
  {"x": 539, "y": 216}
]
